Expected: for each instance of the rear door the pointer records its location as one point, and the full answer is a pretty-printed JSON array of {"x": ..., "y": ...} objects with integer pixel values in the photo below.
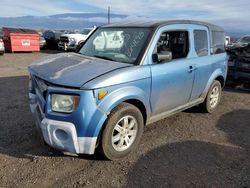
[{"x": 202, "y": 60}]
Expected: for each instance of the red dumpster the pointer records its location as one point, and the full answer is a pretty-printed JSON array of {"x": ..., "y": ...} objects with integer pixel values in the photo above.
[{"x": 21, "y": 40}]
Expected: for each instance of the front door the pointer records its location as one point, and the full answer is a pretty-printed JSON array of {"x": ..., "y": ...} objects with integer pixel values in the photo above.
[{"x": 172, "y": 80}]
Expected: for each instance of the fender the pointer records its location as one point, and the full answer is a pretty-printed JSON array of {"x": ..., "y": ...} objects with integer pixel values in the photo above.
[
  {"x": 215, "y": 74},
  {"x": 114, "y": 99}
]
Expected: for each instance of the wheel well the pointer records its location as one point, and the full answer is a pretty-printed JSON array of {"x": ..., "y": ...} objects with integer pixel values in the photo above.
[
  {"x": 134, "y": 102},
  {"x": 140, "y": 106},
  {"x": 221, "y": 80}
]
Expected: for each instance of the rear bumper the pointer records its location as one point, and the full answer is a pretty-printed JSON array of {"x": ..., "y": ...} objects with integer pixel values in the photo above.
[{"x": 61, "y": 135}]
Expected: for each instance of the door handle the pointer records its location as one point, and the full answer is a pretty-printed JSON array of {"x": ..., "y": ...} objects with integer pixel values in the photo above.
[{"x": 190, "y": 69}]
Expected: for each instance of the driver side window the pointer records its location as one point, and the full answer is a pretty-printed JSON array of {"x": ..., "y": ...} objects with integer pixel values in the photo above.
[{"x": 172, "y": 45}]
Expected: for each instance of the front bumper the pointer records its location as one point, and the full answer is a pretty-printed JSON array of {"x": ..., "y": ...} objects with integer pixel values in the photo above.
[
  {"x": 67, "y": 45},
  {"x": 42, "y": 44},
  {"x": 61, "y": 135},
  {"x": 237, "y": 75}
]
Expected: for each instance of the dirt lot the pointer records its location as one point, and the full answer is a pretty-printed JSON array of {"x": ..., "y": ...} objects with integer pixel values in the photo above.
[{"x": 189, "y": 149}]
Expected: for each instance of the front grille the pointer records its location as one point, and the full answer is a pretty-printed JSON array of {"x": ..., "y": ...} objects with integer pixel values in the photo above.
[
  {"x": 41, "y": 85},
  {"x": 40, "y": 88},
  {"x": 64, "y": 39},
  {"x": 39, "y": 113}
]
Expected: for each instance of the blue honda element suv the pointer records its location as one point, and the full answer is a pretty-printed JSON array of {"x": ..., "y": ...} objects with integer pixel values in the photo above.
[{"x": 126, "y": 75}]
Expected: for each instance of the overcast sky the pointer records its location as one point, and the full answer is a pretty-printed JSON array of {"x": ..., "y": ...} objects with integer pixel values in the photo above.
[{"x": 232, "y": 14}]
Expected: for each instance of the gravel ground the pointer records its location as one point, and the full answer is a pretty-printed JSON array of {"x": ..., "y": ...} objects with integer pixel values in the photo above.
[{"x": 189, "y": 149}]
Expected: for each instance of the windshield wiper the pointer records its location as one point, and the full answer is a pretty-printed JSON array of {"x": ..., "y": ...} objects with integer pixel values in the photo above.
[{"x": 103, "y": 57}]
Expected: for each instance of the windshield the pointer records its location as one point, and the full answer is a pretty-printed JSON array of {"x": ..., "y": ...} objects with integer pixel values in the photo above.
[
  {"x": 69, "y": 32},
  {"x": 116, "y": 44},
  {"x": 86, "y": 31},
  {"x": 244, "y": 40}
]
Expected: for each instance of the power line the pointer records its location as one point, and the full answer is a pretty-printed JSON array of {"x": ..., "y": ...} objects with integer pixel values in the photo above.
[{"x": 108, "y": 14}]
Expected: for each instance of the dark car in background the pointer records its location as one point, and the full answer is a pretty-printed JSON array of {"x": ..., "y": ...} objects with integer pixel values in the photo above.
[
  {"x": 52, "y": 38},
  {"x": 239, "y": 61}
]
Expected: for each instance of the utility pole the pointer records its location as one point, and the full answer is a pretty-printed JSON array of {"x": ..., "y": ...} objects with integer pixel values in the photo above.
[{"x": 108, "y": 14}]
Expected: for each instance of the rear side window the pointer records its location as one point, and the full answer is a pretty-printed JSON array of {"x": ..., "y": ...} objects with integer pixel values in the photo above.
[
  {"x": 218, "y": 42},
  {"x": 201, "y": 42}
]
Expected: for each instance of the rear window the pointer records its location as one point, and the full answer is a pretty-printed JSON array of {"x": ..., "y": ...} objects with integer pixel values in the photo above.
[
  {"x": 218, "y": 42},
  {"x": 201, "y": 42}
]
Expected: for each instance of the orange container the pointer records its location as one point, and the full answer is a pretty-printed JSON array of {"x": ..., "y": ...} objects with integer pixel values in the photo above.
[{"x": 21, "y": 40}]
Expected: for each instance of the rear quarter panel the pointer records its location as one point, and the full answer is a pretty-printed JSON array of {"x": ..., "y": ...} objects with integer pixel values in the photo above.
[{"x": 219, "y": 68}]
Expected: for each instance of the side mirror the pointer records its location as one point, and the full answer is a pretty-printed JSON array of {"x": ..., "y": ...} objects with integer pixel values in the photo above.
[{"x": 162, "y": 57}]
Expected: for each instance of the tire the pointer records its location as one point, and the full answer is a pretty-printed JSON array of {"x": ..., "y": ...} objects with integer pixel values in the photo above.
[
  {"x": 118, "y": 138},
  {"x": 214, "y": 94}
]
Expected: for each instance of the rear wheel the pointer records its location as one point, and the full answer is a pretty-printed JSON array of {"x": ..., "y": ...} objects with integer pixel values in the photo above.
[
  {"x": 122, "y": 131},
  {"x": 213, "y": 97}
]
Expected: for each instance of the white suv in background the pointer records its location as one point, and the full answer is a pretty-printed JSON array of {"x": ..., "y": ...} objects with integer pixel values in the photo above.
[{"x": 70, "y": 41}]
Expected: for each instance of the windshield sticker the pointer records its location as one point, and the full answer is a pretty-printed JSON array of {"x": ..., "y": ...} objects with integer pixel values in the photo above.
[{"x": 134, "y": 44}]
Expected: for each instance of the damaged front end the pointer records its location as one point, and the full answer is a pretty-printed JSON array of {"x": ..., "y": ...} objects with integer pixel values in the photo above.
[{"x": 239, "y": 63}]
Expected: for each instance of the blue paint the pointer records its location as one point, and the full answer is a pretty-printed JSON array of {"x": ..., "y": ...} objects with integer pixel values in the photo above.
[{"x": 160, "y": 87}]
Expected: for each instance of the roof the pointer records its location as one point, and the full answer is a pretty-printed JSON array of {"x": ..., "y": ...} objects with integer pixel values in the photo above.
[
  {"x": 157, "y": 23},
  {"x": 19, "y": 30}
]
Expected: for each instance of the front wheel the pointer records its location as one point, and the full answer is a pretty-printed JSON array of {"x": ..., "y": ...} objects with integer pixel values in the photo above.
[
  {"x": 213, "y": 97},
  {"x": 122, "y": 132}
]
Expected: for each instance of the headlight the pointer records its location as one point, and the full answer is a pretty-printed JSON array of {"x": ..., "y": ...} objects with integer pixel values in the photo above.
[
  {"x": 72, "y": 40},
  {"x": 64, "y": 103}
]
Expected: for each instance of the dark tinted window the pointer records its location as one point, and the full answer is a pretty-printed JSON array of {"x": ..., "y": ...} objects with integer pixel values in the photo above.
[
  {"x": 218, "y": 39},
  {"x": 201, "y": 42}
]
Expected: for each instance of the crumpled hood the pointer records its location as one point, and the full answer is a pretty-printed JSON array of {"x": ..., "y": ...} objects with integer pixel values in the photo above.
[{"x": 72, "y": 69}]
